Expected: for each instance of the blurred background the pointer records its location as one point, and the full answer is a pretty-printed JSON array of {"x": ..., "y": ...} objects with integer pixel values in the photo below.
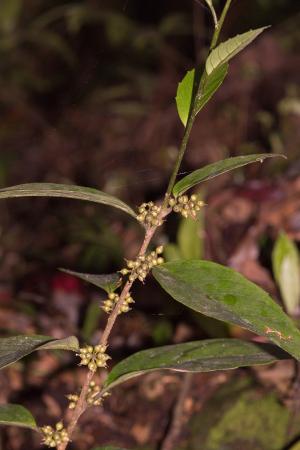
[{"x": 87, "y": 94}]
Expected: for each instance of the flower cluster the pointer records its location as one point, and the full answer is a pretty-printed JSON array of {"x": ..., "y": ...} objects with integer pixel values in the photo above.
[
  {"x": 148, "y": 214},
  {"x": 93, "y": 357},
  {"x": 52, "y": 437},
  {"x": 91, "y": 399},
  {"x": 187, "y": 207},
  {"x": 143, "y": 264},
  {"x": 112, "y": 299},
  {"x": 110, "y": 302},
  {"x": 125, "y": 306}
]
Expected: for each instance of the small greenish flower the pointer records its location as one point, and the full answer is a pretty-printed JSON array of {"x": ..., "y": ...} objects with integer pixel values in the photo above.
[
  {"x": 110, "y": 302},
  {"x": 53, "y": 437},
  {"x": 148, "y": 214},
  {"x": 139, "y": 268},
  {"x": 187, "y": 207},
  {"x": 93, "y": 357},
  {"x": 125, "y": 306}
]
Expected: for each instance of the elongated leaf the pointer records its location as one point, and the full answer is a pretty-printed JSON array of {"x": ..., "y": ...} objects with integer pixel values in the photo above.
[
  {"x": 218, "y": 168},
  {"x": 224, "y": 294},
  {"x": 286, "y": 267},
  {"x": 65, "y": 191},
  {"x": 108, "y": 282},
  {"x": 199, "y": 356},
  {"x": 228, "y": 49},
  {"x": 17, "y": 415},
  {"x": 186, "y": 91},
  {"x": 16, "y": 347},
  {"x": 189, "y": 239},
  {"x": 184, "y": 96},
  {"x": 212, "y": 10},
  {"x": 211, "y": 85}
]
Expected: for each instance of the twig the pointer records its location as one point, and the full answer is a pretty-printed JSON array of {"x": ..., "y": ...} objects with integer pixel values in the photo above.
[
  {"x": 81, "y": 404},
  {"x": 169, "y": 442}
]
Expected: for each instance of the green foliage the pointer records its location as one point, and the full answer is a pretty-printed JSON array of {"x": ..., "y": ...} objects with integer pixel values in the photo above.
[
  {"x": 65, "y": 191},
  {"x": 109, "y": 283},
  {"x": 228, "y": 49},
  {"x": 241, "y": 416},
  {"x": 91, "y": 320},
  {"x": 224, "y": 294},
  {"x": 198, "y": 356},
  {"x": 162, "y": 332},
  {"x": 286, "y": 268},
  {"x": 17, "y": 416},
  {"x": 189, "y": 240},
  {"x": 187, "y": 98},
  {"x": 215, "y": 169},
  {"x": 14, "y": 348},
  {"x": 184, "y": 96},
  {"x": 204, "y": 286},
  {"x": 212, "y": 10}
]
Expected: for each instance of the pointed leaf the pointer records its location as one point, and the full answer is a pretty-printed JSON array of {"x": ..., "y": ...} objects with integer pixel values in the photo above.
[
  {"x": 16, "y": 347},
  {"x": 17, "y": 415},
  {"x": 213, "y": 12},
  {"x": 184, "y": 96},
  {"x": 286, "y": 267},
  {"x": 228, "y": 49},
  {"x": 186, "y": 91},
  {"x": 211, "y": 85},
  {"x": 189, "y": 239},
  {"x": 64, "y": 191},
  {"x": 199, "y": 356},
  {"x": 218, "y": 168},
  {"x": 109, "y": 282},
  {"x": 219, "y": 292}
]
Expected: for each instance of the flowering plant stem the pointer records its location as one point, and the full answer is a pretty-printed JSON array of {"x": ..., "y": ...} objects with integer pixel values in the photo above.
[{"x": 82, "y": 404}]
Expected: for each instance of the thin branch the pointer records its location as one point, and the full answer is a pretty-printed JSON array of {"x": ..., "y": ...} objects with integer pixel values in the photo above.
[
  {"x": 81, "y": 404},
  {"x": 193, "y": 112},
  {"x": 218, "y": 29}
]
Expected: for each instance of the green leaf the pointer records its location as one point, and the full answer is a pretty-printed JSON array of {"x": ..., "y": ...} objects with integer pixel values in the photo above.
[
  {"x": 286, "y": 267},
  {"x": 171, "y": 252},
  {"x": 189, "y": 239},
  {"x": 17, "y": 415},
  {"x": 184, "y": 96},
  {"x": 91, "y": 320},
  {"x": 218, "y": 168},
  {"x": 228, "y": 49},
  {"x": 219, "y": 292},
  {"x": 199, "y": 356},
  {"x": 16, "y": 347},
  {"x": 212, "y": 10},
  {"x": 65, "y": 191},
  {"x": 108, "y": 282},
  {"x": 187, "y": 89},
  {"x": 211, "y": 85}
]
